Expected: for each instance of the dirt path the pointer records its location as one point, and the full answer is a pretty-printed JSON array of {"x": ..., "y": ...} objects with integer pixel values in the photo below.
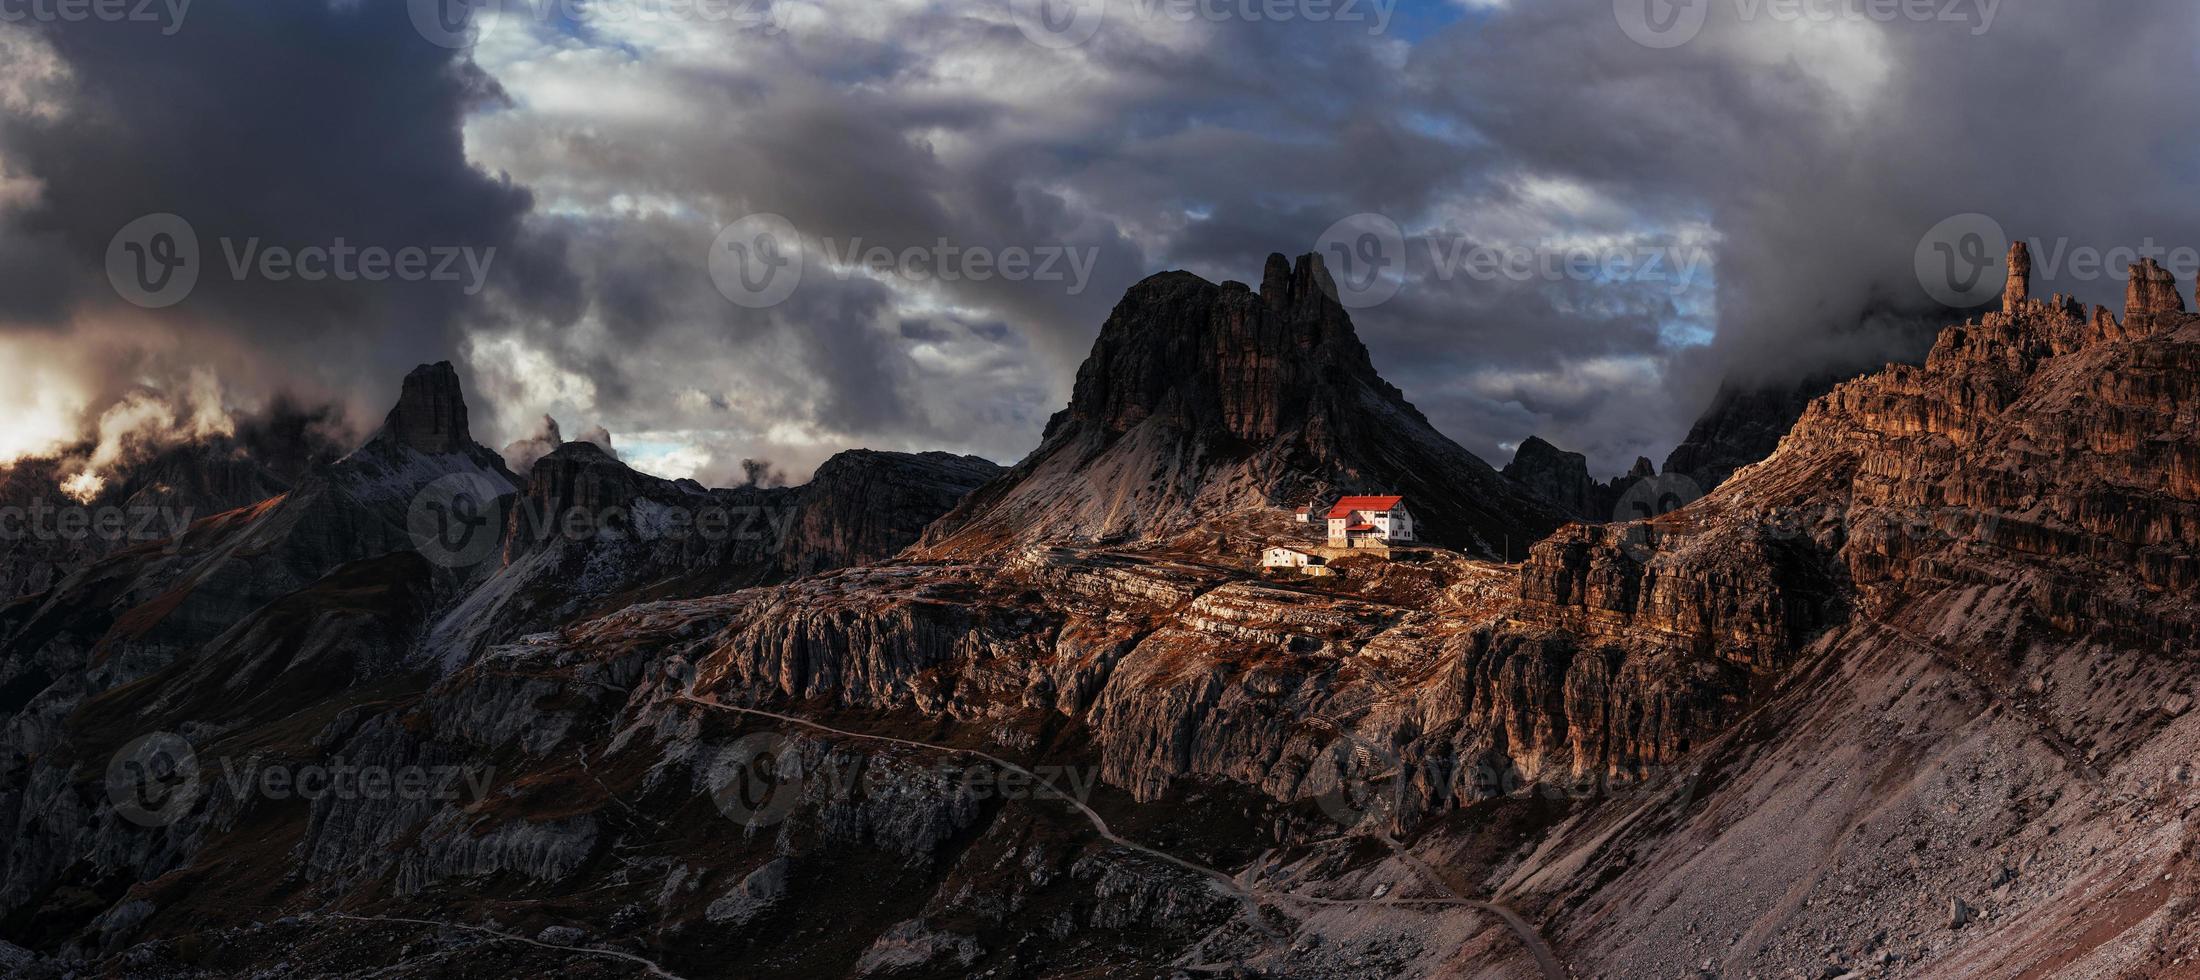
[{"x": 648, "y": 965}]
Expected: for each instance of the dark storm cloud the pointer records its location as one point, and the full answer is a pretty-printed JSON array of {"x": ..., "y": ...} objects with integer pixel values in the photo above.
[
  {"x": 295, "y": 124},
  {"x": 1132, "y": 153},
  {"x": 1822, "y": 153}
]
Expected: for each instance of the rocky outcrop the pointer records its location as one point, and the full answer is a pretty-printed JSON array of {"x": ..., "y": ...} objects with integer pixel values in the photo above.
[
  {"x": 582, "y": 495},
  {"x": 1206, "y": 412},
  {"x": 2151, "y": 294},
  {"x": 590, "y": 534},
  {"x": 2018, "y": 287},
  {"x": 1757, "y": 405},
  {"x": 1562, "y": 479},
  {"x": 1975, "y": 446},
  {"x": 2011, "y": 528},
  {"x": 862, "y": 506}
]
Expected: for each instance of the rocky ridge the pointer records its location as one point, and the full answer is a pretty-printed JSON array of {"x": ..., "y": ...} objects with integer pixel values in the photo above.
[
  {"x": 1937, "y": 641},
  {"x": 590, "y": 535},
  {"x": 266, "y": 456},
  {"x": 303, "y": 630},
  {"x": 2011, "y": 527}
]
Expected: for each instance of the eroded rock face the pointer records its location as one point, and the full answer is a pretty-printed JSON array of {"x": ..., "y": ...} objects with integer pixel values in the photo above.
[
  {"x": 2012, "y": 527},
  {"x": 2152, "y": 293},
  {"x": 2042, "y": 440},
  {"x": 430, "y": 414},
  {"x": 2018, "y": 286},
  {"x": 1206, "y": 412},
  {"x": 1749, "y": 415},
  {"x": 862, "y": 506}
]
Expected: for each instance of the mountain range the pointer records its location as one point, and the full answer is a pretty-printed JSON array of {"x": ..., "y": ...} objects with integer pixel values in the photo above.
[{"x": 1909, "y": 695}]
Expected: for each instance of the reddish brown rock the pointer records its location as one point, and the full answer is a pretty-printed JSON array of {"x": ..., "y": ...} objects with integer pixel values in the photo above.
[
  {"x": 2019, "y": 287},
  {"x": 2152, "y": 293}
]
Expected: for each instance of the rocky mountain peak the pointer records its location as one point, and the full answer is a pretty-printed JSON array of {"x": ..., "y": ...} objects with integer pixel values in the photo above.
[
  {"x": 1303, "y": 287},
  {"x": 1220, "y": 358},
  {"x": 1556, "y": 476},
  {"x": 1562, "y": 479},
  {"x": 430, "y": 415},
  {"x": 1205, "y": 405},
  {"x": 582, "y": 475}
]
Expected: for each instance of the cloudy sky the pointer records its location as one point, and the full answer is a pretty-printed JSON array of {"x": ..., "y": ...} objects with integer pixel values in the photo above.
[{"x": 1586, "y": 212}]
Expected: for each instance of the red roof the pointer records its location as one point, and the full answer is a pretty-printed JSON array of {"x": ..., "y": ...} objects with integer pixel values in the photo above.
[
  {"x": 1346, "y": 506},
  {"x": 1361, "y": 527}
]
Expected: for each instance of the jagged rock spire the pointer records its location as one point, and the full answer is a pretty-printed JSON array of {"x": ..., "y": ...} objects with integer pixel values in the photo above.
[
  {"x": 1287, "y": 288},
  {"x": 2019, "y": 287},
  {"x": 430, "y": 414},
  {"x": 2153, "y": 291}
]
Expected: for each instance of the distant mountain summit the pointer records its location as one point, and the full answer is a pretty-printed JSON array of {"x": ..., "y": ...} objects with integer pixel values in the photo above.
[
  {"x": 1207, "y": 412},
  {"x": 1562, "y": 479},
  {"x": 430, "y": 414}
]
